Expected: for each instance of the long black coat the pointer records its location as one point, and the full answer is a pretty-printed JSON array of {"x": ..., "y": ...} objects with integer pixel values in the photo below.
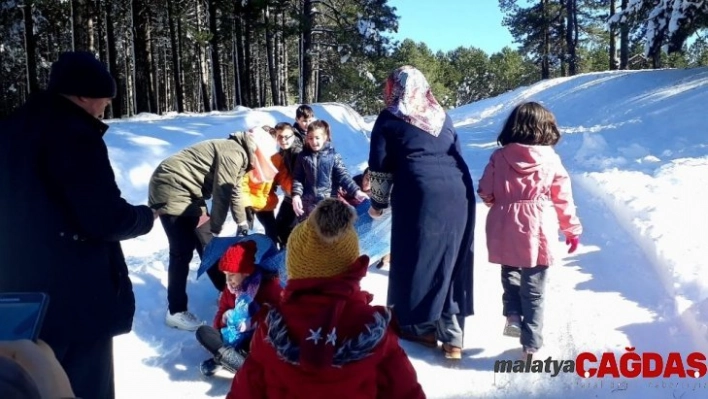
[
  {"x": 62, "y": 220},
  {"x": 433, "y": 215}
]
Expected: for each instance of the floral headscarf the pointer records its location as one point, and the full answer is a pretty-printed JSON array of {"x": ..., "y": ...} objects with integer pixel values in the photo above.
[{"x": 407, "y": 95}]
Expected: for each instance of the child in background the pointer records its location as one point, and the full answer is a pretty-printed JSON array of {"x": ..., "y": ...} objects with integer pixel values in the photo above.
[
  {"x": 529, "y": 193},
  {"x": 304, "y": 115},
  {"x": 284, "y": 161},
  {"x": 320, "y": 172},
  {"x": 324, "y": 339},
  {"x": 248, "y": 287},
  {"x": 260, "y": 199}
]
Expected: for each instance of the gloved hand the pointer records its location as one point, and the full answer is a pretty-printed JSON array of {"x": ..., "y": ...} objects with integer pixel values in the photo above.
[
  {"x": 242, "y": 230},
  {"x": 573, "y": 242},
  {"x": 375, "y": 213}
]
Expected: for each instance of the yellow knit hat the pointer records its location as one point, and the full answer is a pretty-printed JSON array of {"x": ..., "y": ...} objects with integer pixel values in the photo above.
[{"x": 325, "y": 244}]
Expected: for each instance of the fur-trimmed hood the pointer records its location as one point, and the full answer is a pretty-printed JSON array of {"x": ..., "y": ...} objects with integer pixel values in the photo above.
[{"x": 326, "y": 322}]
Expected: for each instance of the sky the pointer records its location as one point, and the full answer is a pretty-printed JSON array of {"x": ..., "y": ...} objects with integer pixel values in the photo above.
[
  {"x": 448, "y": 24},
  {"x": 637, "y": 279}
]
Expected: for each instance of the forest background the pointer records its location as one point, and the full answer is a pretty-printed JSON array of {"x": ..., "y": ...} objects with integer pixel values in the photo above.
[{"x": 205, "y": 55}]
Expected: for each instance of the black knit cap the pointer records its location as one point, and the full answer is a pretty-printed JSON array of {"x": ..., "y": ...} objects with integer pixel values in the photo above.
[
  {"x": 15, "y": 383},
  {"x": 79, "y": 73}
]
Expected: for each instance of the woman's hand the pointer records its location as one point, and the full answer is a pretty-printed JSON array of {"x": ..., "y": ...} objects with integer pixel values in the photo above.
[
  {"x": 361, "y": 196},
  {"x": 297, "y": 205},
  {"x": 375, "y": 213}
]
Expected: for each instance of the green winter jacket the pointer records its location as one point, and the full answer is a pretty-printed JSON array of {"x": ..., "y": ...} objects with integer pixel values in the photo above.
[{"x": 182, "y": 183}]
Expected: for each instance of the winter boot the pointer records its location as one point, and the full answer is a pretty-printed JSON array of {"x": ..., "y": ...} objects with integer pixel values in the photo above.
[
  {"x": 209, "y": 367},
  {"x": 230, "y": 358},
  {"x": 513, "y": 326}
]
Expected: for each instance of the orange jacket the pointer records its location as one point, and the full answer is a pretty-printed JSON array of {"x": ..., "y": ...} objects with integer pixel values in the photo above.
[
  {"x": 284, "y": 178},
  {"x": 260, "y": 197}
]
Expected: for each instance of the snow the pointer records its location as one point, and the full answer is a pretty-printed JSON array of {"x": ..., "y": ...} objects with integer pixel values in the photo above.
[{"x": 636, "y": 145}]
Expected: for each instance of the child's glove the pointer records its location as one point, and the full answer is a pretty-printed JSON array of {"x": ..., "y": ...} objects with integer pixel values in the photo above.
[
  {"x": 225, "y": 316},
  {"x": 297, "y": 205},
  {"x": 573, "y": 242}
]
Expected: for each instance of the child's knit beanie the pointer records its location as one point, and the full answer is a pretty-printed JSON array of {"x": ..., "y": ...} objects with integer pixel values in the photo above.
[
  {"x": 239, "y": 258},
  {"x": 325, "y": 244}
]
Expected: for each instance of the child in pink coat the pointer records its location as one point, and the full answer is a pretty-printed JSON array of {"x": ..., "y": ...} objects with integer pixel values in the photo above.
[{"x": 529, "y": 195}]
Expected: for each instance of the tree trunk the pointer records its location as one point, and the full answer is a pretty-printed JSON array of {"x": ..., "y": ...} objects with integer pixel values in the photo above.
[
  {"x": 202, "y": 65},
  {"x": 117, "y": 107},
  {"x": 270, "y": 49},
  {"x": 613, "y": 38},
  {"x": 236, "y": 61},
  {"x": 215, "y": 60},
  {"x": 284, "y": 64},
  {"x": 624, "y": 40},
  {"x": 176, "y": 55},
  {"x": 570, "y": 36},
  {"x": 188, "y": 104},
  {"x": 307, "y": 51},
  {"x": 30, "y": 48},
  {"x": 242, "y": 51},
  {"x": 81, "y": 21},
  {"x": 546, "y": 51},
  {"x": 143, "y": 59},
  {"x": 154, "y": 79}
]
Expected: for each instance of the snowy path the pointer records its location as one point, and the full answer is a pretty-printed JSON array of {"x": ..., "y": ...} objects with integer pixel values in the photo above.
[{"x": 609, "y": 276}]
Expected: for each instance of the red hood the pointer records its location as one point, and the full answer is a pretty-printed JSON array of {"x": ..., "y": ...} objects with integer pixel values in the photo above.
[
  {"x": 343, "y": 285},
  {"x": 329, "y": 320},
  {"x": 526, "y": 159}
]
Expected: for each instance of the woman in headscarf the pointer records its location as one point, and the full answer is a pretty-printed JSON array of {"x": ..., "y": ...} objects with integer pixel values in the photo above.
[{"x": 416, "y": 167}]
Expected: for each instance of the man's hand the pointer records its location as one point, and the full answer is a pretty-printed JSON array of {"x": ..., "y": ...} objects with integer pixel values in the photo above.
[
  {"x": 242, "y": 230},
  {"x": 39, "y": 361}
]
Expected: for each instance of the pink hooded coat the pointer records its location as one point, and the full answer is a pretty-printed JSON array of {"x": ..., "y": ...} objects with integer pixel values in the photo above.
[{"x": 529, "y": 192}]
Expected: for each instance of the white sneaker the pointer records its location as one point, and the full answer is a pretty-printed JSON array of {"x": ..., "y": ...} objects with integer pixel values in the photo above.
[{"x": 183, "y": 320}]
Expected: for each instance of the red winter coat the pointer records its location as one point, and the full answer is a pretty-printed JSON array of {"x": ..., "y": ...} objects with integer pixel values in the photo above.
[
  {"x": 268, "y": 292},
  {"x": 324, "y": 340}
]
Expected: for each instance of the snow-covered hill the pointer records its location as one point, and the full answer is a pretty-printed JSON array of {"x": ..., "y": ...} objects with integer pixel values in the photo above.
[{"x": 636, "y": 145}]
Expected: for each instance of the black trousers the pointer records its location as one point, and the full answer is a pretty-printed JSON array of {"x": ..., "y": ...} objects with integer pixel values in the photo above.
[
  {"x": 184, "y": 237},
  {"x": 267, "y": 219},
  {"x": 285, "y": 221},
  {"x": 89, "y": 366}
]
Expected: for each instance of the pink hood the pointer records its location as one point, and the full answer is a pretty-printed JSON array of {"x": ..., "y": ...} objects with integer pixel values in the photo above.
[{"x": 527, "y": 159}]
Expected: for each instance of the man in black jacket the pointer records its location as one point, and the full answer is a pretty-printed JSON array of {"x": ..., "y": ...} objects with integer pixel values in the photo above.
[{"x": 63, "y": 218}]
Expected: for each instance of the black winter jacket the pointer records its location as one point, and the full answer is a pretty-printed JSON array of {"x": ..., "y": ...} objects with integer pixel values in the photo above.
[
  {"x": 318, "y": 175},
  {"x": 63, "y": 219}
]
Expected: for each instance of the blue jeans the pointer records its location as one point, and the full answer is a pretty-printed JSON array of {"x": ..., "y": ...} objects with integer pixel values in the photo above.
[{"x": 523, "y": 296}]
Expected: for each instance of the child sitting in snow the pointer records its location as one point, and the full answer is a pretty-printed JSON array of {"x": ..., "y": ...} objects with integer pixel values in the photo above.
[
  {"x": 529, "y": 193},
  {"x": 248, "y": 287},
  {"x": 319, "y": 172},
  {"x": 324, "y": 339}
]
